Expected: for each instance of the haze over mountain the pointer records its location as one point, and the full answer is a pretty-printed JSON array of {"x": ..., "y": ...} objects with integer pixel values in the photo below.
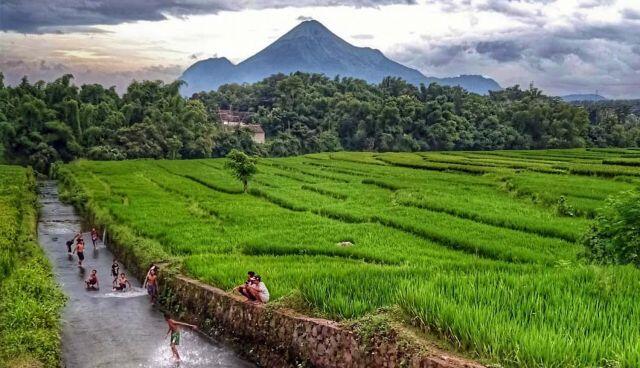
[
  {"x": 311, "y": 47},
  {"x": 583, "y": 97}
]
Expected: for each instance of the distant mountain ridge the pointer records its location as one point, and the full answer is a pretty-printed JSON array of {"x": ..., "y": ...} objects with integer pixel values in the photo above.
[
  {"x": 583, "y": 97},
  {"x": 311, "y": 47}
]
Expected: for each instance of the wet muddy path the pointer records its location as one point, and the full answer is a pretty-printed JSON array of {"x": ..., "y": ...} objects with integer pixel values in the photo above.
[{"x": 105, "y": 328}]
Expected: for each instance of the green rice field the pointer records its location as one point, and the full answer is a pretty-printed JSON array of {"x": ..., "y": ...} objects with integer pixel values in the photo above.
[
  {"x": 30, "y": 300},
  {"x": 479, "y": 249}
]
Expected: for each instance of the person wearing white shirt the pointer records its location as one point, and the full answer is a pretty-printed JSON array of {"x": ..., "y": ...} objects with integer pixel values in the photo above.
[{"x": 259, "y": 290}]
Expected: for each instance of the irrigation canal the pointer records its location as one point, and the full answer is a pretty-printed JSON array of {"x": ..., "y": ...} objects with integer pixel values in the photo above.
[{"x": 111, "y": 329}]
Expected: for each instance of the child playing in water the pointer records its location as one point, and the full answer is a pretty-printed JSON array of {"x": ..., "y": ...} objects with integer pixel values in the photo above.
[
  {"x": 152, "y": 285},
  {"x": 115, "y": 269},
  {"x": 152, "y": 268},
  {"x": 69, "y": 245},
  {"x": 80, "y": 250},
  {"x": 175, "y": 334},
  {"x": 121, "y": 283},
  {"x": 92, "y": 282},
  {"x": 94, "y": 237}
]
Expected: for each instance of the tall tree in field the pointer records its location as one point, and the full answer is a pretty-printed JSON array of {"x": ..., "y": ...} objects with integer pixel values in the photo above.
[{"x": 243, "y": 166}]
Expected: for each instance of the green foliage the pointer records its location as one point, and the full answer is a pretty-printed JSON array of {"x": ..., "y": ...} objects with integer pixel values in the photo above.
[
  {"x": 615, "y": 235},
  {"x": 46, "y": 122},
  {"x": 563, "y": 208},
  {"x": 31, "y": 300},
  {"x": 243, "y": 166},
  {"x": 301, "y": 113},
  {"x": 471, "y": 247}
]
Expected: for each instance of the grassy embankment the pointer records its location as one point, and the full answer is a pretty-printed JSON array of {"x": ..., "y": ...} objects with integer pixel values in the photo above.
[
  {"x": 30, "y": 300},
  {"x": 478, "y": 248}
]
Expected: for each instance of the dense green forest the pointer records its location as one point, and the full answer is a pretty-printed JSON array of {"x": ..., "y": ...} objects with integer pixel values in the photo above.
[
  {"x": 41, "y": 123},
  {"x": 614, "y": 122}
]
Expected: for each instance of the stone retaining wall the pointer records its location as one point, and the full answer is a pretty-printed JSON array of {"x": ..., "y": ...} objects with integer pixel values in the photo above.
[{"x": 284, "y": 338}]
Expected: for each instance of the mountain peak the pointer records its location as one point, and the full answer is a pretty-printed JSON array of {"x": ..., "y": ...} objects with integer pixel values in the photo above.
[
  {"x": 311, "y": 24},
  {"x": 308, "y": 28},
  {"x": 311, "y": 47},
  {"x": 218, "y": 60}
]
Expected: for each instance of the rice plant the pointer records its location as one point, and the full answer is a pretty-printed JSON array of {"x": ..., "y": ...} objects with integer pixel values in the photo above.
[{"x": 471, "y": 246}]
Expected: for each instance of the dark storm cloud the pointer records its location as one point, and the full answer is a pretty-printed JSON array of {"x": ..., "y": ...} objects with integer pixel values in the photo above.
[
  {"x": 43, "y": 16},
  {"x": 625, "y": 32},
  {"x": 500, "y": 50},
  {"x": 557, "y": 50}
]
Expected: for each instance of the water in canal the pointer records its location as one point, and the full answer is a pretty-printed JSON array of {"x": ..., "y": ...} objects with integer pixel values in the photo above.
[{"x": 105, "y": 328}]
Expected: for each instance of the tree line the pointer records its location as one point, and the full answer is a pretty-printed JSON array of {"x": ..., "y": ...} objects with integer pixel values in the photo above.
[
  {"x": 615, "y": 122},
  {"x": 41, "y": 123}
]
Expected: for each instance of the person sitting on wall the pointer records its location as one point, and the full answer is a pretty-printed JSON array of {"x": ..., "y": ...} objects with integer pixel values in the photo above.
[
  {"x": 244, "y": 288},
  {"x": 258, "y": 290}
]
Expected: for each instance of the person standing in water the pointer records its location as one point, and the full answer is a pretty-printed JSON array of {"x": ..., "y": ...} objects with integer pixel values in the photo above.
[
  {"x": 152, "y": 268},
  {"x": 80, "y": 250},
  {"x": 174, "y": 330},
  {"x": 115, "y": 270},
  {"x": 152, "y": 286},
  {"x": 70, "y": 242},
  {"x": 94, "y": 237}
]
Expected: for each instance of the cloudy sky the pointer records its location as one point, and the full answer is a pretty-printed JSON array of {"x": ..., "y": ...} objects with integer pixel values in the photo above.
[{"x": 563, "y": 46}]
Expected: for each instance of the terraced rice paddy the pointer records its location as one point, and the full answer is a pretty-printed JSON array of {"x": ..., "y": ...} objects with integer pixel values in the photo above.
[{"x": 480, "y": 249}]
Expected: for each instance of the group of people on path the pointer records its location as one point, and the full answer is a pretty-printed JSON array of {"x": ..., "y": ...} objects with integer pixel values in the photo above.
[{"x": 120, "y": 281}]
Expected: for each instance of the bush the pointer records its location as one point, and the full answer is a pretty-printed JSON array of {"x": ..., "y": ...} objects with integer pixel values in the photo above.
[
  {"x": 614, "y": 238},
  {"x": 563, "y": 208}
]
